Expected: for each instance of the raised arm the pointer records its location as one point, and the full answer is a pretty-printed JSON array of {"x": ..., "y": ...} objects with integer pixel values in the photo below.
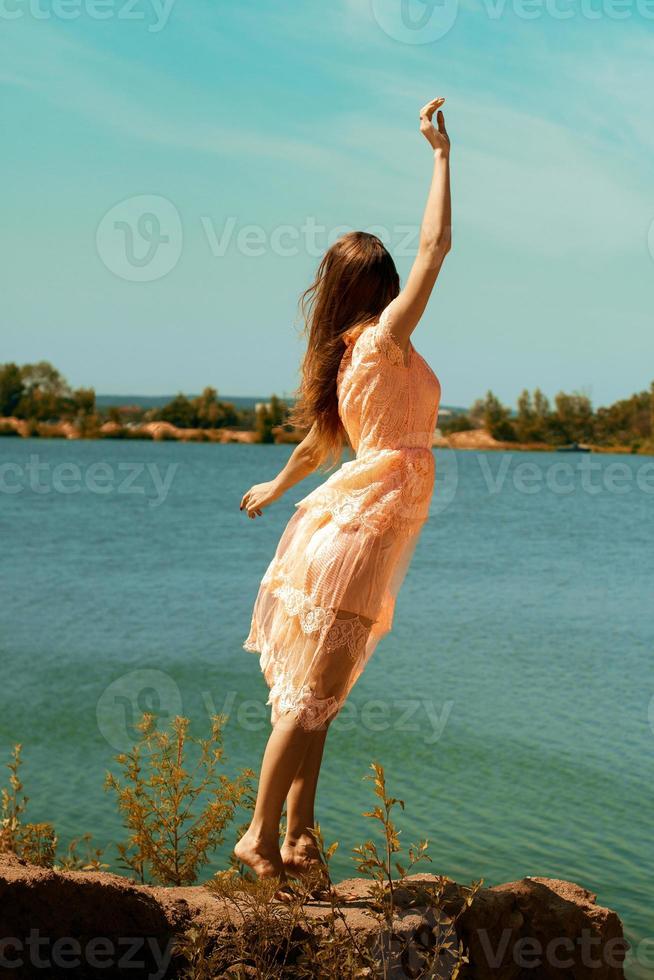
[
  {"x": 304, "y": 459},
  {"x": 435, "y": 232}
]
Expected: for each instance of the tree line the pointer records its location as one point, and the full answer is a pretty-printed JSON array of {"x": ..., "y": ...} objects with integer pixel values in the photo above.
[
  {"x": 571, "y": 418},
  {"x": 39, "y": 393}
]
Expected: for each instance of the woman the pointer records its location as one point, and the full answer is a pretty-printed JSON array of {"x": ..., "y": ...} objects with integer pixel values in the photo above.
[{"x": 328, "y": 595}]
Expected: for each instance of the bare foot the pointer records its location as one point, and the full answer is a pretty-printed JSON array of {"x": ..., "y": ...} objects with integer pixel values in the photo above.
[
  {"x": 264, "y": 859},
  {"x": 302, "y": 859}
]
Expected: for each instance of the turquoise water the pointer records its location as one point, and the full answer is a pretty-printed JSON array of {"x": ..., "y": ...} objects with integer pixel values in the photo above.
[{"x": 511, "y": 705}]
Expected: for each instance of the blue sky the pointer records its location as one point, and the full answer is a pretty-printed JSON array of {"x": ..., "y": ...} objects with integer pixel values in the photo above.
[{"x": 247, "y": 134}]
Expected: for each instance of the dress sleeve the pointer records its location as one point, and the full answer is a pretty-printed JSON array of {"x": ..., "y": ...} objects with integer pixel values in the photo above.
[{"x": 384, "y": 340}]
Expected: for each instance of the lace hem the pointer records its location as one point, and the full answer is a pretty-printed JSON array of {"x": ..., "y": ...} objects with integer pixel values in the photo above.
[
  {"x": 311, "y": 616},
  {"x": 312, "y": 713},
  {"x": 334, "y": 632},
  {"x": 350, "y": 635}
]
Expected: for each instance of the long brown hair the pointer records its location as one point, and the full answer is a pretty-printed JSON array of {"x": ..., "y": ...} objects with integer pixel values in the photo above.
[{"x": 356, "y": 280}]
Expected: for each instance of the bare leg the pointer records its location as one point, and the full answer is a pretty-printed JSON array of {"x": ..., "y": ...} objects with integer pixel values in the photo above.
[
  {"x": 332, "y": 676},
  {"x": 285, "y": 751},
  {"x": 285, "y": 762},
  {"x": 299, "y": 852}
]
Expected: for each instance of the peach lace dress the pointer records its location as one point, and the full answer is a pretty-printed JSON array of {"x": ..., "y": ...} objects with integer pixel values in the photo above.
[{"x": 328, "y": 595}]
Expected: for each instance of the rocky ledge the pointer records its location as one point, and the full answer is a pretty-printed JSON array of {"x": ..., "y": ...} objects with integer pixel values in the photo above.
[{"x": 93, "y": 924}]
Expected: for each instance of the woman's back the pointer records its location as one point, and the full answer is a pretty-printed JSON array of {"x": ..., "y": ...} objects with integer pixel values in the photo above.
[{"x": 386, "y": 401}]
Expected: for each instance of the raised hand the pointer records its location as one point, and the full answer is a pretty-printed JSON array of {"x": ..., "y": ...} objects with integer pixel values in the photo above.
[{"x": 436, "y": 137}]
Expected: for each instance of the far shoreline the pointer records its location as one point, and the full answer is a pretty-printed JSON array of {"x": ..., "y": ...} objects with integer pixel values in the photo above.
[{"x": 468, "y": 439}]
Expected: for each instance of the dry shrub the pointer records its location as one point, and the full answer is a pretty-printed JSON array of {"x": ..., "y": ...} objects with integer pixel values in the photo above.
[
  {"x": 34, "y": 842},
  {"x": 37, "y": 842},
  {"x": 171, "y": 828},
  {"x": 273, "y": 939}
]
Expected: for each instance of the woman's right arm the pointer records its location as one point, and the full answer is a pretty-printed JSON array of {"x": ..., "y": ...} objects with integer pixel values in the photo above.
[
  {"x": 305, "y": 459},
  {"x": 435, "y": 232}
]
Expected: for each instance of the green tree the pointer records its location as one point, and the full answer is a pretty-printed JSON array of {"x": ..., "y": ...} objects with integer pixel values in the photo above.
[
  {"x": 44, "y": 376},
  {"x": 84, "y": 400},
  {"x": 572, "y": 419},
  {"x": 207, "y": 409},
  {"x": 264, "y": 424},
  {"x": 179, "y": 412},
  {"x": 211, "y": 413},
  {"x": 532, "y": 417},
  {"x": 46, "y": 394},
  {"x": 525, "y": 417},
  {"x": 628, "y": 421},
  {"x": 458, "y": 422},
  {"x": 541, "y": 407},
  {"x": 278, "y": 411},
  {"x": 497, "y": 418},
  {"x": 11, "y": 388}
]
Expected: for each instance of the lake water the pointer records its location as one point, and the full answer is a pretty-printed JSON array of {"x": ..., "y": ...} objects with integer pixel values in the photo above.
[{"x": 511, "y": 705}]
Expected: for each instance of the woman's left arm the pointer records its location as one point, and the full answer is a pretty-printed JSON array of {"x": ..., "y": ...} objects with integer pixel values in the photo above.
[{"x": 305, "y": 459}]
